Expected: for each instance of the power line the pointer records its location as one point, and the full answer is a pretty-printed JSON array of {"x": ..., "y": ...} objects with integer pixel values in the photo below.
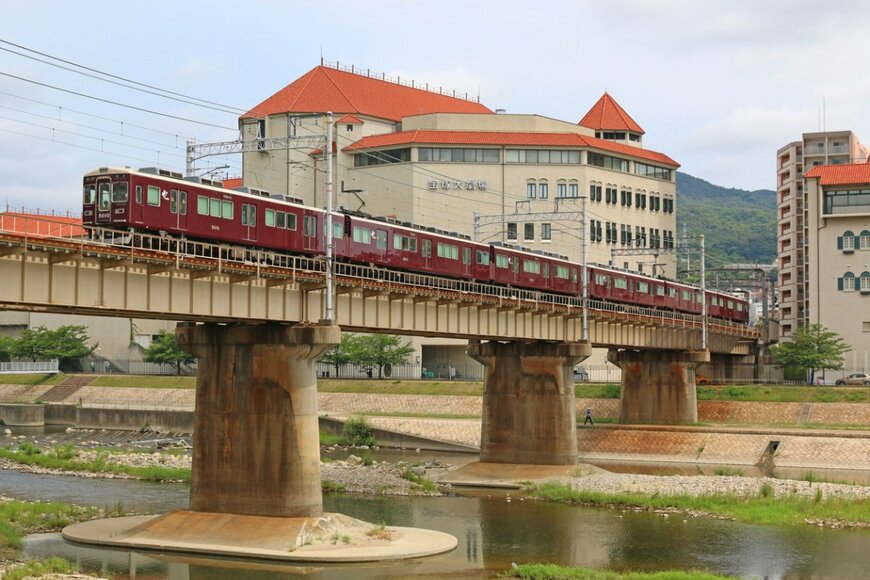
[
  {"x": 182, "y": 97},
  {"x": 116, "y": 103}
]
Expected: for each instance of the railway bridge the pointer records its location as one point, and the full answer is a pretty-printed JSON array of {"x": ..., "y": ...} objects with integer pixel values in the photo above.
[{"x": 254, "y": 320}]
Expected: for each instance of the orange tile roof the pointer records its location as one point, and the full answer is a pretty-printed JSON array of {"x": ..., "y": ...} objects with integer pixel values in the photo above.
[
  {"x": 507, "y": 138},
  {"x": 327, "y": 89},
  {"x": 842, "y": 174},
  {"x": 607, "y": 115},
  {"x": 350, "y": 120},
  {"x": 41, "y": 225}
]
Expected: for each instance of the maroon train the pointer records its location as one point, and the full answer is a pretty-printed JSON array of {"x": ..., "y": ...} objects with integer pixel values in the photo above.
[{"x": 160, "y": 201}]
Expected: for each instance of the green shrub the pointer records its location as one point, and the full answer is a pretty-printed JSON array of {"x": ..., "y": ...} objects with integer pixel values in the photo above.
[
  {"x": 64, "y": 452},
  {"x": 358, "y": 432},
  {"x": 766, "y": 490},
  {"x": 37, "y": 569},
  {"x": 29, "y": 449}
]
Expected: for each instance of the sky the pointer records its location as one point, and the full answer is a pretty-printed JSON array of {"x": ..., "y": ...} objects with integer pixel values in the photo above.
[{"x": 718, "y": 86}]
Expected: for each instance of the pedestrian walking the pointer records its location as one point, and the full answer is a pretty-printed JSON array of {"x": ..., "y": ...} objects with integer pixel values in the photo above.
[{"x": 588, "y": 416}]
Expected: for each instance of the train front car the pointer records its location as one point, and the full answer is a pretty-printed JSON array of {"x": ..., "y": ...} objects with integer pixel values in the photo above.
[{"x": 106, "y": 198}]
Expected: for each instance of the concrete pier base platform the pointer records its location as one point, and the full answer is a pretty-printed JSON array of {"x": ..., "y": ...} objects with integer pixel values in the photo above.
[
  {"x": 326, "y": 538},
  {"x": 509, "y": 475}
]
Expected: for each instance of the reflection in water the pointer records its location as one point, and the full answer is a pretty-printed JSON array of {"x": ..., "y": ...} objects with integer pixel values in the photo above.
[{"x": 491, "y": 531}]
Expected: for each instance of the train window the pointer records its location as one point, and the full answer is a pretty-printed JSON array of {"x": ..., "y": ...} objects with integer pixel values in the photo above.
[
  {"x": 173, "y": 201},
  {"x": 687, "y": 295},
  {"x": 426, "y": 250},
  {"x": 546, "y": 270},
  {"x": 362, "y": 235},
  {"x": 139, "y": 194},
  {"x": 620, "y": 282},
  {"x": 731, "y": 304},
  {"x": 227, "y": 209},
  {"x": 309, "y": 226},
  {"x": 466, "y": 256},
  {"x": 381, "y": 239},
  {"x": 660, "y": 290},
  {"x": 574, "y": 275},
  {"x": 739, "y": 307},
  {"x": 501, "y": 261},
  {"x": 601, "y": 279},
  {"x": 337, "y": 230},
  {"x": 280, "y": 219},
  {"x": 531, "y": 266},
  {"x": 560, "y": 272},
  {"x": 448, "y": 251},
  {"x": 672, "y": 292},
  {"x": 515, "y": 265},
  {"x": 252, "y": 216},
  {"x": 104, "y": 192},
  {"x": 153, "y": 195},
  {"x": 214, "y": 208},
  {"x": 89, "y": 195},
  {"x": 643, "y": 287},
  {"x": 291, "y": 221},
  {"x": 405, "y": 243},
  {"x": 201, "y": 205},
  {"x": 270, "y": 218},
  {"x": 120, "y": 192},
  {"x": 182, "y": 202},
  {"x": 482, "y": 257}
]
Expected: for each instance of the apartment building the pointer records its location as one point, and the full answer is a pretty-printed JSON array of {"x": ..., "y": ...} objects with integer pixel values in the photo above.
[{"x": 794, "y": 219}]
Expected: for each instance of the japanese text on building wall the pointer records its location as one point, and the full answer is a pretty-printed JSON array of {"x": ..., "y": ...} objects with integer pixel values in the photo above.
[{"x": 448, "y": 184}]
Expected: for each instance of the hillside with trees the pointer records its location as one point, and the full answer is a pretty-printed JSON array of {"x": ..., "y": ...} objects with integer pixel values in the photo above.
[{"x": 738, "y": 225}]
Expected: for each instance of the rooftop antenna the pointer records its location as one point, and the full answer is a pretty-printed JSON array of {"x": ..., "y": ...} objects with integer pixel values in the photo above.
[{"x": 824, "y": 116}]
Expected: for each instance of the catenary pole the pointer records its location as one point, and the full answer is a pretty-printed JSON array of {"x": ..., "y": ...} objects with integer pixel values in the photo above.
[{"x": 330, "y": 314}]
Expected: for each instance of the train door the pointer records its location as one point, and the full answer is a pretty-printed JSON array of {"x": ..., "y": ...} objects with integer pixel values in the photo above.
[
  {"x": 309, "y": 232},
  {"x": 382, "y": 243},
  {"x": 466, "y": 261},
  {"x": 182, "y": 210},
  {"x": 249, "y": 222},
  {"x": 426, "y": 253},
  {"x": 515, "y": 269},
  {"x": 545, "y": 274},
  {"x": 138, "y": 211},
  {"x": 104, "y": 200}
]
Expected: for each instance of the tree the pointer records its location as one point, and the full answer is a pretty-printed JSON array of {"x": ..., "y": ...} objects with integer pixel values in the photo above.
[
  {"x": 341, "y": 354},
  {"x": 378, "y": 350},
  {"x": 164, "y": 349},
  {"x": 812, "y": 347},
  {"x": 65, "y": 343}
]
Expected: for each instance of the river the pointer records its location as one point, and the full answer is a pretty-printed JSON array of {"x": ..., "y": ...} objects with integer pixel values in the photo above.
[{"x": 492, "y": 534}]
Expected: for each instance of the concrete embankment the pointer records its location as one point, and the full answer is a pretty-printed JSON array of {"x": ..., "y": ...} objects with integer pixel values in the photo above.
[{"x": 738, "y": 440}]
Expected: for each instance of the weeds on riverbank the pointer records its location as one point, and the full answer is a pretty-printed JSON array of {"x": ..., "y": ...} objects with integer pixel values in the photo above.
[
  {"x": 554, "y": 572},
  {"x": 18, "y": 518},
  {"x": 40, "y": 568},
  {"x": 421, "y": 482},
  {"x": 763, "y": 508},
  {"x": 60, "y": 459}
]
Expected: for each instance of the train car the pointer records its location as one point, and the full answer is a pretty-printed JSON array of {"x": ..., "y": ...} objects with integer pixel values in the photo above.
[{"x": 162, "y": 202}]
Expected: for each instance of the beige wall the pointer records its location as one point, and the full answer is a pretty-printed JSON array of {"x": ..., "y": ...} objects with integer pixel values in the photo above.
[{"x": 846, "y": 313}]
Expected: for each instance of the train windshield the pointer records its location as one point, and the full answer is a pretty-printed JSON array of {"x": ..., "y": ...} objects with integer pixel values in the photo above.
[{"x": 90, "y": 194}]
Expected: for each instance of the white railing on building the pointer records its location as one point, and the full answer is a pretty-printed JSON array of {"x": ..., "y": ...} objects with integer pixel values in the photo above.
[{"x": 30, "y": 367}]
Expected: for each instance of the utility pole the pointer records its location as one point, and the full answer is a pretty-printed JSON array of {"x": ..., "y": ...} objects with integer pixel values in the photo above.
[
  {"x": 330, "y": 314},
  {"x": 703, "y": 296}
]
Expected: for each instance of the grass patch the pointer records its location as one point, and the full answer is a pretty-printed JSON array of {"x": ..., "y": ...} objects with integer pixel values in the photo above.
[
  {"x": 728, "y": 471},
  {"x": 421, "y": 415},
  {"x": 329, "y": 439},
  {"x": 19, "y": 518},
  {"x": 419, "y": 482},
  {"x": 554, "y": 572},
  {"x": 761, "y": 509},
  {"x": 144, "y": 381},
  {"x": 597, "y": 390},
  {"x": 393, "y": 387},
  {"x": 40, "y": 568},
  {"x": 29, "y": 454},
  {"x": 33, "y": 379},
  {"x": 784, "y": 394},
  {"x": 328, "y": 485}
]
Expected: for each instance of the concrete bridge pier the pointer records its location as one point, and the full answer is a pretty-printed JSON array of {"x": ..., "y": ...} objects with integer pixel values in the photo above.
[
  {"x": 529, "y": 414},
  {"x": 256, "y": 448},
  {"x": 657, "y": 386}
]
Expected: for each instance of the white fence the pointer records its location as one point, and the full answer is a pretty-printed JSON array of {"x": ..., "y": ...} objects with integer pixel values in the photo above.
[{"x": 44, "y": 367}]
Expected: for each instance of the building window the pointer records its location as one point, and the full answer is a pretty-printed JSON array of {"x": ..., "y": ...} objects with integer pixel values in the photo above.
[
  {"x": 640, "y": 200},
  {"x": 512, "y": 231},
  {"x": 610, "y": 195},
  {"x": 531, "y": 190},
  {"x": 847, "y": 282},
  {"x": 543, "y": 190},
  {"x": 846, "y": 242},
  {"x": 625, "y": 197},
  {"x": 457, "y": 155},
  {"x": 594, "y": 192},
  {"x": 381, "y": 157},
  {"x": 541, "y": 156},
  {"x": 865, "y": 282},
  {"x": 561, "y": 190},
  {"x": 607, "y": 162},
  {"x": 865, "y": 240},
  {"x": 573, "y": 190},
  {"x": 652, "y": 171},
  {"x": 845, "y": 202},
  {"x": 529, "y": 232},
  {"x": 546, "y": 232}
]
